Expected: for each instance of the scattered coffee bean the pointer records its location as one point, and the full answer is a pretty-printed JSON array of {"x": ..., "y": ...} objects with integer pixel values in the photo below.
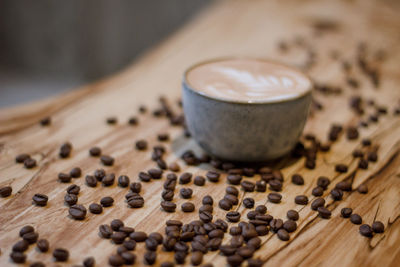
[
  {"x": 22, "y": 157},
  {"x": 95, "y": 208},
  {"x": 301, "y": 200},
  {"x": 275, "y": 224},
  {"x": 133, "y": 121},
  {"x": 205, "y": 216},
  {"x": 344, "y": 186},
  {"x": 168, "y": 206},
  {"x": 372, "y": 156},
  {"x": 116, "y": 224},
  {"x": 75, "y": 172},
  {"x": 5, "y": 191},
  {"x": 168, "y": 264},
  {"x": 363, "y": 164},
  {"x": 233, "y": 216},
  {"x": 89, "y": 262},
  {"x": 248, "y": 202},
  {"x": 43, "y": 245},
  {"x": 64, "y": 177},
  {"x": 123, "y": 181},
  {"x": 91, "y": 181},
  {"x": 187, "y": 207},
  {"x": 234, "y": 179},
  {"x": 70, "y": 199},
  {"x": 225, "y": 204},
  {"x": 197, "y": 258},
  {"x": 174, "y": 167},
  {"x": 275, "y": 185},
  {"x": 150, "y": 257},
  {"x": 26, "y": 229},
  {"x": 324, "y": 212},
  {"x": 213, "y": 176},
  {"x": 163, "y": 137},
  {"x": 144, "y": 177},
  {"x": 118, "y": 237},
  {"x": 186, "y": 193},
  {"x": 362, "y": 189},
  {"x": 342, "y": 168},
  {"x": 107, "y": 160},
  {"x": 155, "y": 173},
  {"x": 161, "y": 164},
  {"x": 274, "y": 197},
  {"x": 141, "y": 145},
  {"x": 78, "y": 212},
  {"x": 99, "y": 174},
  {"x": 129, "y": 257},
  {"x": 60, "y": 254},
  {"x": 297, "y": 179},
  {"x": 366, "y": 230},
  {"x": 283, "y": 235},
  {"x": 116, "y": 260},
  {"x": 323, "y": 182},
  {"x": 108, "y": 180},
  {"x": 40, "y": 200},
  {"x": 18, "y": 257},
  {"x": 157, "y": 236},
  {"x": 357, "y": 153},
  {"x": 317, "y": 191},
  {"x": 106, "y": 201},
  {"x": 129, "y": 244},
  {"x": 105, "y": 231},
  {"x": 20, "y": 246},
  {"x": 73, "y": 189},
  {"x": 355, "y": 218},
  {"x": 234, "y": 260},
  {"x": 95, "y": 151},
  {"x": 255, "y": 262},
  {"x": 290, "y": 226},
  {"x": 199, "y": 180},
  {"x": 292, "y": 215},
  {"x": 378, "y": 227},
  {"x": 336, "y": 194},
  {"x": 318, "y": 202},
  {"x": 352, "y": 133},
  {"x": 207, "y": 200},
  {"x": 138, "y": 236},
  {"x": 346, "y": 212},
  {"x": 112, "y": 120},
  {"x": 65, "y": 150},
  {"x": 136, "y": 187},
  {"x": 29, "y": 163},
  {"x": 31, "y": 237}
]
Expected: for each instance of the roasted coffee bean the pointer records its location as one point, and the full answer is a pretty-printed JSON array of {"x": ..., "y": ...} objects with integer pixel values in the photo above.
[
  {"x": 18, "y": 257},
  {"x": 275, "y": 224},
  {"x": 248, "y": 202},
  {"x": 214, "y": 244},
  {"x": 170, "y": 184},
  {"x": 323, "y": 182},
  {"x": 64, "y": 177},
  {"x": 275, "y": 185},
  {"x": 108, "y": 180},
  {"x": 78, "y": 212},
  {"x": 43, "y": 245},
  {"x": 167, "y": 264},
  {"x": 163, "y": 137},
  {"x": 118, "y": 237},
  {"x": 234, "y": 179},
  {"x": 73, "y": 189},
  {"x": 362, "y": 189},
  {"x": 174, "y": 167},
  {"x": 248, "y": 186},
  {"x": 116, "y": 224},
  {"x": 141, "y": 145},
  {"x": 231, "y": 190},
  {"x": 352, "y": 133},
  {"x": 75, "y": 172},
  {"x": 26, "y": 229},
  {"x": 205, "y": 216},
  {"x": 324, "y": 212},
  {"x": 264, "y": 217},
  {"x": 121, "y": 249},
  {"x": 342, "y": 168},
  {"x": 357, "y": 153},
  {"x": 355, "y": 218},
  {"x": 60, "y": 254},
  {"x": 233, "y": 216},
  {"x": 111, "y": 120},
  {"x": 344, "y": 186},
  {"x": 185, "y": 178},
  {"x": 225, "y": 204},
  {"x": 37, "y": 264},
  {"x": 105, "y": 231},
  {"x": 20, "y": 246},
  {"x": 317, "y": 191},
  {"x": 213, "y": 176},
  {"x": 107, "y": 160},
  {"x": 249, "y": 172},
  {"x": 89, "y": 262},
  {"x": 40, "y": 199},
  {"x": 318, "y": 202},
  {"x": 168, "y": 206},
  {"x": 274, "y": 197},
  {"x": 155, "y": 173},
  {"x": 157, "y": 236},
  {"x": 116, "y": 260},
  {"x": 95, "y": 151},
  {"x": 138, "y": 236},
  {"x": 292, "y": 215},
  {"x": 297, "y": 179},
  {"x": 123, "y": 181},
  {"x": 169, "y": 243},
  {"x": 207, "y": 200},
  {"x": 133, "y": 121},
  {"x": 29, "y": 163},
  {"x": 95, "y": 208},
  {"x": 129, "y": 244},
  {"x": 283, "y": 235},
  {"x": 126, "y": 229},
  {"x": 107, "y": 201},
  {"x": 261, "y": 209},
  {"x": 232, "y": 199},
  {"x": 136, "y": 187},
  {"x": 180, "y": 257},
  {"x": 161, "y": 164},
  {"x": 238, "y": 240},
  {"x": 366, "y": 230},
  {"x": 336, "y": 194},
  {"x": 363, "y": 164},
  {"x": 197, "y": 258},
  {"x": 221, "y": 224},
  {"x": 310, "y": 164},
  {"x": 187, "y": 207},
  {"x": 234, "y": 260},
  {"x": 301, "y": 200},
  {"x": 372, "y": 156},
  {"x": 261, "y": 186},
  {"x": 235, "y": 230},
  {"x": 255, "y": 262},
  {"x": 186, "y": 193},
  {"x": 346, "y": 212},
  {"x": 22, "y": 157},
  {"x": 129, "y": 258},
  {"x": 262, "y": 230},
  {"x": 144, "y": 177},
  {"x": 99, "y": 174},
  {"x": 5, "y": 191},
  {"x": 70, "y": 199},
  {"x": 254, "y": 243},
  {"x": 378, "y": 227},
  {"x": 167, "y": 195},
  {"x": 65, "y": 150},
  {"x": 245, "y": 252},
  {"x": 199, "y": 180}
]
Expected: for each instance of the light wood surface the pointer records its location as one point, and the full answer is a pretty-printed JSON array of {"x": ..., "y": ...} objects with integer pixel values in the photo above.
[{"x": 244, "y": 28}]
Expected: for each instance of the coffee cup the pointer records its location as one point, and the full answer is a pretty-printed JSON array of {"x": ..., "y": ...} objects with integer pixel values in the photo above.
[{"x": 245, "y": 109}]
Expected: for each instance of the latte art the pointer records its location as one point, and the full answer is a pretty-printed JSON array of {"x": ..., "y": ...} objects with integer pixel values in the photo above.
[{"x": 247, "y": 80}]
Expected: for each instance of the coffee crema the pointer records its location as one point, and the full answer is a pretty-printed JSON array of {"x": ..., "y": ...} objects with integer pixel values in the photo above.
[{"x": 247, "y": 80}]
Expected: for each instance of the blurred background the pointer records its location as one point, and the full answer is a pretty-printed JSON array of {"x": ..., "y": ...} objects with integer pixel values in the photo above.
[{"x": 50, "y": 46}]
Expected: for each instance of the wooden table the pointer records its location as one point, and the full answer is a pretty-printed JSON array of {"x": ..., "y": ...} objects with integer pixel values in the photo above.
[{"x": 332, "y": 30}]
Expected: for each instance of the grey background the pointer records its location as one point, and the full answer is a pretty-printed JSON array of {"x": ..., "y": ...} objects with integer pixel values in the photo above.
[{"x": 49, "y": 46}]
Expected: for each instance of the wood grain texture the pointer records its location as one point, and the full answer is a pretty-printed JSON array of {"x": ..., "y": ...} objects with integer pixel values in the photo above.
[{"x": 248, "y": 28}]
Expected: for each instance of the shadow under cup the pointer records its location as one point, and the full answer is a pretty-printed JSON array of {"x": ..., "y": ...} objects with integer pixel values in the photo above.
[{"x": 244, "y": 132}]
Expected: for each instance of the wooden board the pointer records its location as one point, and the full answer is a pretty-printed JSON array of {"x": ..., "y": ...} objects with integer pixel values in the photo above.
[{"x": 244, "y": 28}]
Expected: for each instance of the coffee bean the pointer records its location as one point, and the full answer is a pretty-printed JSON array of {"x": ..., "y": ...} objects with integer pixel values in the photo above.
[
  {"x": 138, "y": 236},
  {"x": 362, "y": 189},
  {"x": 245, "y": 252},
  {"x": 318, "y": 202},
  {"x": 363, "y": 164},
  {"x": 317, "y": 191},
  {"x": 197, "y": 258},
  {"x": 261, "y": 186},
  {"x": 366, "y": 230},
  {"x": 136, "y": 187},
  {"x": 111, "y": 120},
  {"x": 234, "y": 179},
  {"x": 234, "y": 230},
  {"x": 248, "y": 202},
  {"x": 214, "y": 244},
  {"x": 40, "y": 199},
  {"x": 141, "y": 145},
  {"x": 275, "y": 185},
  {"x": 207, "y": 200},
  {"x": 274, "y": 197},
  {"x": 144, "y": 177},
  {"x": 174, "y": 167},
  {"x": 116, "y": 224},
  {"x": 336, "y": 194},
  {"x": 108, "y": 180},
  {"x": 150, "y": 257},
  {"x": 238, "y": 240},
  {"x": 99, "y": 174},
  {"x": 378, "y": 227},
  {"x": 91, "y": 181},
  {"x": 129, "y": 244},
  {"x": 157, "y": 236},
  {"x": 342, "y": 168},
  {"x": 26, "y": 229},
  {"x": 208, "y": 208},
  {"x": 65, "y": 150},
  {"x": 355, "y": 218},
  {"x": 324, "y": 212},
  {"x": 64, "y": 177},
  {"x": 372, "y": 156},
  {"x": 344, "y": 186},
  {"x": 123, "y": 181},
  {"x": 205, "y": 216},
  {"x": 301, "y": 200},
  {"x": 78, "y": 212},
  {"x": 116, "y": 260},
  {"x": 323, "y": 182},
  {"x": 161, "y": 164},
  {"x": 163, "y": 137},
  {"x": 95, "y": 208},
  {"x": 5, "y": 191},
  {"x": 185, "y": 178},
  {"x": 167, "y": 264},
  {"x": 255, "y": 262},
  {"x": 43, "y": 245},
  {"x": 126, "y": 229},
  {"x": 187, "y": 207},
  {"x": 107, "y": 160},
  {"x": 70, "y": 199},
  {"x": 283, "y": 235},
  {"x": 75, "y": 172},
  {"x": 233, "y": 216},
  {"x": 155, "y": 173},
  {"x": 60, "y": 254},
  {"x": 20, "y": 246},
  {"x": 231, "y": 190},
  {"x": 95, "y": 151},
  {"x": 37, "y": 264},
  {"x": 346, "y": 212},
  {"x": 73, "y": 189},
  {"x": 107, "y": 201},
  {"x": 199, "y": 180},
  {"x": 167, "y": 195},
  {"x": 275, "y": 224},
  {"x": 22, "y": 157},
  {"x": 297, "y": 179},
  {"x": 352, "y": 133},
  {"x": 261, "y": 209},
  {"x": 225, "y": 204},
  {"x": 18, "y": 257},
  {"x": 168, "y": 206},
  {"x": 234, "y": 260},
  {"x": 213, "y": 176},
  {"x": 129, "y": 258},
  {"x": 118, "y": 237},
  {"x": 29, "y": 163},
  {"x": 89, "y": 262},
  {"x": 292, "y": 215},
  {"x": 105, "y": 231},
  {"x": 248, "y": 186},
  {"x": 262, "y": 230},
  {"x": 186, "y": 193},
  {"x": 151, "y": 244},
  {"x": 357, "y": 153}
]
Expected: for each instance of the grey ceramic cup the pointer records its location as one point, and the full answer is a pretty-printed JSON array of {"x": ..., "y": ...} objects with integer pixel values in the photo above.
[{"x": 245, "y": 132}]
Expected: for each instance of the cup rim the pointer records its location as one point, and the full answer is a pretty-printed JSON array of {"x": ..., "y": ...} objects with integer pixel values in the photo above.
[{"x": 187, "y": 85}]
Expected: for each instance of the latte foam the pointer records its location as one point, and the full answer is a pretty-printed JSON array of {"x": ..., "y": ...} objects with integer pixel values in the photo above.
[{"x": 247, "y": 80}]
